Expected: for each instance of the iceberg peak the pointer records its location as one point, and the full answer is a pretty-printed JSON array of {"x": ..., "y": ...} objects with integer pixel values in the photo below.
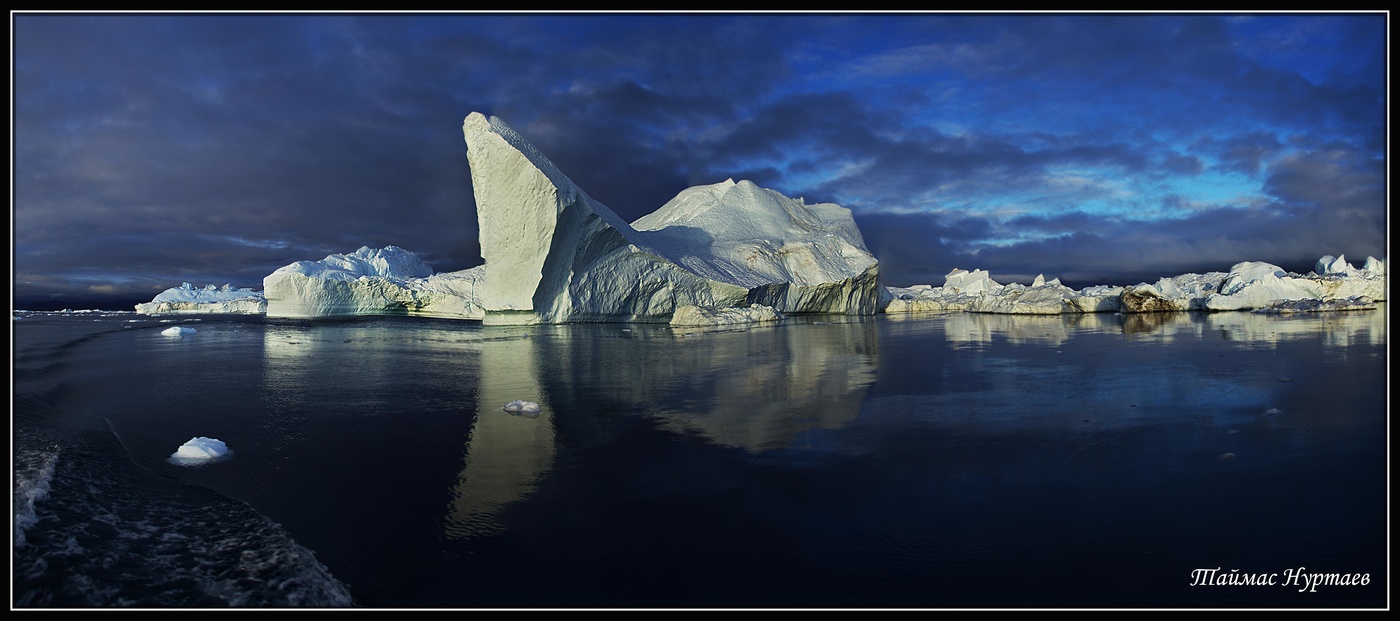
[{"x": 553, "y": 254}]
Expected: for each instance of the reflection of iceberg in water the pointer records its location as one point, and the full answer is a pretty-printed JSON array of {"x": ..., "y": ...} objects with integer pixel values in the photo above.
[
  {"x": 1337, "y": 329},
  {"x": 290, "y": 369},
  {"x": 1161, "y": 324},
  {"x": 963, "y": 329},
  {"x": 806, "y": 378},
  {"x": 506, "y": 453},
  {"x": 760, "y": 388}
]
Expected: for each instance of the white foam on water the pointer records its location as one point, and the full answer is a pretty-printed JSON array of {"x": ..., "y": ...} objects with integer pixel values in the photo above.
[{"x": 32, "y": 481}]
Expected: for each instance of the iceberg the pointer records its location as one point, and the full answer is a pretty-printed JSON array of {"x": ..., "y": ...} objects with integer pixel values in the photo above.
[
  {"x": 976, "y": 292},
  {"x": 200, "y": 450},
  {"x": 525, "y": 408},
  {"x": 371, "y": 281},
  {"x": 1095, "y": 299},
  {"x": 554, "y": 255},
  {"x": 1334, "y": 285},
  {"x": 1258, "y": 285},
  {"x": 1177, "y": 293},
  {"x": 177, "y": 331},
  {"x": 209, "y": 299}
]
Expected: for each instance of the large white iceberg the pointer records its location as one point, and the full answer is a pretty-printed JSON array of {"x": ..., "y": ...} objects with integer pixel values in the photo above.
[
  {"x": 553, "y": 254},
  {"x": 371, "y": 281},
  {"x": 186, "y": 298}
]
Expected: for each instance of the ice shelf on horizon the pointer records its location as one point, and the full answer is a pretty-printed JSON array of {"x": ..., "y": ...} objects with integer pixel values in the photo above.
[
  {"x": 1256, "y": 286},
  {"x": 391, "y": 281},
  {"x": 394, "y": 281}
]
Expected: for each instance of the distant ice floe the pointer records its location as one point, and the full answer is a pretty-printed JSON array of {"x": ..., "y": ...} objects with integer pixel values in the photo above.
[
  {"x": 177, "y": 331},
  {"x": 200, "y": 450},
  {"x": 523, "y": 408}
]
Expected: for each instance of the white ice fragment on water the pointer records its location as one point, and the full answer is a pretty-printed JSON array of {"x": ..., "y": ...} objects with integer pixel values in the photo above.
[
  {"x": 177, "y": 331},
  {"x": 199, "y": 450},
  {"x": 1272, "y": 411},
  {"x": 522, "y": 407}
]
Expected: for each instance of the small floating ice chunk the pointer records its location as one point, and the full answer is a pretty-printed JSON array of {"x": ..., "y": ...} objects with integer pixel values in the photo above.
[
  {"x": 177, "y": 331},
  {"x": 522, "y": 407},
  {"x": 200, "y": 450},
  {"x": 1272, "y": 411},
  {"x": 1226, "y": 457}
]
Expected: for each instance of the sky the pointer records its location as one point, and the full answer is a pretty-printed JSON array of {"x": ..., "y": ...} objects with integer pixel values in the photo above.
[{"x": 149, "y": 150}]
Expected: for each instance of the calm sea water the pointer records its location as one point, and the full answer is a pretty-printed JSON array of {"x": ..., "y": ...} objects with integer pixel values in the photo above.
[{"x": 945, "y": 461}]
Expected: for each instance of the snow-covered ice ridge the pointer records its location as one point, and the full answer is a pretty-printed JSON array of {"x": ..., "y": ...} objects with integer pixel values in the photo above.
[
  {"x": 1255, "y": 286},
  {"x": 392, "y": 280},
  {"x": 209, "y": 299},
  {"x": 372, "y": 281}
]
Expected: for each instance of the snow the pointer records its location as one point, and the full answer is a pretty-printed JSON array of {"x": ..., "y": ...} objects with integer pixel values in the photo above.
[
  {"x": 390, "y": 262},
  {"x": 742, "y": 234},
  {"x": 198, "y": 450},
  {"x": 976, "y": 281}
]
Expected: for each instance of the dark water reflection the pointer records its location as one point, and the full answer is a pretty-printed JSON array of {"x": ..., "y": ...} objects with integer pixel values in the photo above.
[{"x": 958, "y": 460}]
